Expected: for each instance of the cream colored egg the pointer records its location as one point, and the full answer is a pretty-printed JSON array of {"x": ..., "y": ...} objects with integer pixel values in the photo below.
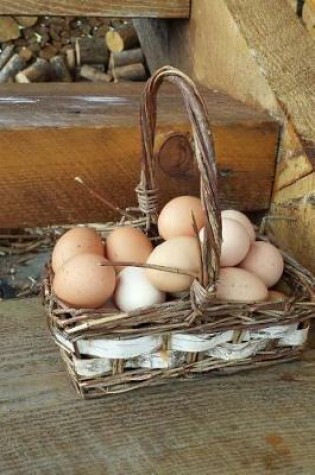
[
  {"x": 82, "y": 282},
  {"x": 127, "y": 244},
  {"x": 180, "y": 253},
  {"x": 265, "y": 261},
  {"x": 76, "y": 241},
  {"x": 235, "y": 243},
  {"x": 176, "y": 219},
  {"x": 241, "y": 218},
  {"x": 239, "y": 285},
  {"x": 134, "y": 290}
]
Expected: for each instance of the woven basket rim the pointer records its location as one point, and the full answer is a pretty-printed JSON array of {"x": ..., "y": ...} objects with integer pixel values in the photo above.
[{"x": 178, "y": 314}]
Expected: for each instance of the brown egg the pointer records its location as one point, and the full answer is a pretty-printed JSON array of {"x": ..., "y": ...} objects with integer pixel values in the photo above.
[
  {"x": 235, "y": 243},
  {"x": 238, "y": 285},
  {"x": 241, "y": 218},
  {"x": 265, "y": 261},
  {"x": 82, "y": 282},
  {"x": 128, "y": 244},
  {"x": 175, "y": 218},
  {"x": 276, "y": 296},
  {"x": 76, "y": 241},
  {"x": 180, "y": 253}
]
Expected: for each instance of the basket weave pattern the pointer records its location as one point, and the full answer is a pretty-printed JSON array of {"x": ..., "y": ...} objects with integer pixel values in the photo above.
[{"x": 107, "y": 351}]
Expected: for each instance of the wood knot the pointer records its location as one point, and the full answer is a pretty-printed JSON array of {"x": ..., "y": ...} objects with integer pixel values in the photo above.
[{"x": 176, "y": 157}]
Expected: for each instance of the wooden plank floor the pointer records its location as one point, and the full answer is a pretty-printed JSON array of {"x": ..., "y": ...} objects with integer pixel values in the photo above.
[{"x": 254, "y": 423}]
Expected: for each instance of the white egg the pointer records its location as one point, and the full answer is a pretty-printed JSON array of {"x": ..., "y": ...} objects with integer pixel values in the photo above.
[{"x": 134, "y": 290}]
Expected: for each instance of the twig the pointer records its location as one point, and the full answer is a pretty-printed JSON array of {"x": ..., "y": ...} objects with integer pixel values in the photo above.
[
  {"x": 194, "y": 225},
  {"x": 103, "y": 200},
  {"x": 172, "y": 270}
]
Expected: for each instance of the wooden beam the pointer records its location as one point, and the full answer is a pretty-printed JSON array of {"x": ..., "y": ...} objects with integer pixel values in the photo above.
[
  {"x": 211, "y": 48},
  {"x": 294, "y": 4},
  {"x": 154, "y": 39},
  {"x": 49, "y": 134},
  {"x": 292, "y": 219},
  {"x": 286, "y": 54},
  {"x": 103, "y": 8},
  {"x": 258, "y": 52},
  {"x": 308, "y": 16}
]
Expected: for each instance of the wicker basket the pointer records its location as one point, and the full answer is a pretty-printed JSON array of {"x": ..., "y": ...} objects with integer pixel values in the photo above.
[{"x": 108, "y": 352}]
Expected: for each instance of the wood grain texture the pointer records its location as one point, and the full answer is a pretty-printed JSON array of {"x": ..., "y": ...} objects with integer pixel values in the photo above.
[
  {"x": 107, "y": 8},
  {"x": 49, "y": 135},
  {"x": 294, "y": 225},
  {"x": 260, "y": 53},
  {"x": 308, "y": 16},
  {"x": 293, "y": 4},
  {"x": 223, "y": 60},
  {"x": 289, "y": 70},
  {"x": 122, "y": 38},
  {"x": 255, "y": 423},
  {"x": 154, "y": 39},
  {"x": 293, "y": 164}
]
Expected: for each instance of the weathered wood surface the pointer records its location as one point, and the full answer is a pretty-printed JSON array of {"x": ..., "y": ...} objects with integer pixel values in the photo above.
[
  {"x": 292, "y": 219},
  {"x": 244, "y": 36},
  {"x": 49, "y": 134},
  {"x": 306, "y": 10},
  {"x": 308, "y": 16},
  {"x": 255, "y": 423},
  {"x": 293, "y": 86},
  {"x": 109, "y": 8},
  {"x": 154, "y": 39},
  {"x": 260, "y": 53}
]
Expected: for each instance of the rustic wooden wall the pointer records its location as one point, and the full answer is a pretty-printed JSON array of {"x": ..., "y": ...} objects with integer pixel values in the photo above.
[{"x": 261, "y": 53}]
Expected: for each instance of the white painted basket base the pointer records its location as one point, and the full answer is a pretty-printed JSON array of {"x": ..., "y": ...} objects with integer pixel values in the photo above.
[
  {"x": 113, "y": 348},
  {"x": 120, "y": 349},
  {"x": 92, "y": 367},
  {"x": 287, "y": 335},
  {"x": 145, "y": 352},
  {"x": 196, "y": 343},
  {"x": 294, "y": 337},
  {"x": 159, "y": 360},
  {"x": 62, "y": 341},
  {"x": 236, "y": 351}
]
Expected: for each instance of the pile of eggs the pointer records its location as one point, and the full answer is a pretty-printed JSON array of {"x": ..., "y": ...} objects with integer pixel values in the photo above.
[{"x": 90, "y": 273}]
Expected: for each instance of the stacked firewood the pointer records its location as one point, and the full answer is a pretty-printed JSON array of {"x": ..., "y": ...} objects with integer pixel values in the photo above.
[{"x": 66, "y": 49}]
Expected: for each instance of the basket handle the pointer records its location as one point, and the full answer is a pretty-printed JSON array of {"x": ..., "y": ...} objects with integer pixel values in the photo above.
[{"x": 204, "y": 156}]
